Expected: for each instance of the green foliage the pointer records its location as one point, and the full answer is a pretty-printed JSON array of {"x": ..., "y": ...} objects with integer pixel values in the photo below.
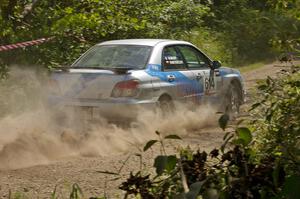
[
  {"x": 224, "y": 174},
  {"x": 279, "y": 115},
  {"x": 17, "y": 195},
  {"x": 77, "y": 25},
  {"x": 291, "y": 187},
  {"x": 161, "y": 141},
  {"x": 234, "y": 173},
  {"x": 256, "y": 30},
  {"x": 212, "y": 42}
]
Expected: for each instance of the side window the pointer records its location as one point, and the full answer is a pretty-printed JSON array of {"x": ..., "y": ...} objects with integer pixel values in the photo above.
[
  {"x": 172, "y": 59},
  {"x": 193, "y": 58}
]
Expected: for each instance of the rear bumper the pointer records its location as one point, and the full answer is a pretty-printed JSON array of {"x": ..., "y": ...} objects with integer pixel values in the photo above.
[{"x": 112, "y": 109}]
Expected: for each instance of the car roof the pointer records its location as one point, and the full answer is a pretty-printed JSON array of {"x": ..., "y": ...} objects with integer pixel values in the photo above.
[{"x": 144, "y": 42}]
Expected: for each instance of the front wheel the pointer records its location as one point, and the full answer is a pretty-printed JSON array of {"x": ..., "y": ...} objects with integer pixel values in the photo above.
[{"x": 233, "y": 102}]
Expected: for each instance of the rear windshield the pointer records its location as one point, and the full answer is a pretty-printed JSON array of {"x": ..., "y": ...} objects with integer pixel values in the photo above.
[{"x": 115, "y": 56}]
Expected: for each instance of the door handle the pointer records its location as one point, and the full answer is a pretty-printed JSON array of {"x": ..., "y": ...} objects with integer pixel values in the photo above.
[{"x": 171, "y": 78}]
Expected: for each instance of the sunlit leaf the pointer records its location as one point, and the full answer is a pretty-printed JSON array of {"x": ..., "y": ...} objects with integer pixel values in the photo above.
[
  {"x": 171, "y": 163},
  {"x": 175, "y": 137},
  {"x": 160, "y": 164},
  {"x": 226, "y": 135},
  {"x": 244, "y": 134},
  {"x": 108, "y": 172},
  {"x": 226, "y": 142},
  {"x": 254, "y": 106},
  {"x": 165, "y": 163},
  {"x": 223, "y": 121},
  {"x": 262, "y": 87},
  {"x": 149, "y": 144}
]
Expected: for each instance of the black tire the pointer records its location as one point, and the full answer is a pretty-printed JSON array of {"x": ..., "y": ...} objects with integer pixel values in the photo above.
[
  {"x": 233, "y": 102},
  {"x": 166, "y": 105}
]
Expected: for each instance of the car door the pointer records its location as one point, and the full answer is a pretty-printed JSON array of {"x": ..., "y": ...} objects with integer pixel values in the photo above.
[
  {"x": 178, "y": 81},
  {"x": 200, "y": 65}
]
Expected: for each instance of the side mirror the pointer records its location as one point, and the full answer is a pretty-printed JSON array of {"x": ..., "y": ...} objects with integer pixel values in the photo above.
[{"x": 216, "y": 64}]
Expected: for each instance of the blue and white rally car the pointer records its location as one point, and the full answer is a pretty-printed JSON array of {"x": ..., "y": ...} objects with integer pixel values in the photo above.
[{"x": 114, "y": 78}]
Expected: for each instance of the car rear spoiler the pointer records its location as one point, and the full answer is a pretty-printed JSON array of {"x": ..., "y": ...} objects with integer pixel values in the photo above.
[
  {"x": 121, "y": 70},
  {"x": 117, "y": 70}
]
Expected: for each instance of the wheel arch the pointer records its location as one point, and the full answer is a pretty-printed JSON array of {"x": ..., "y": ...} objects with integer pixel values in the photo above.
[{"x": 165, "y": 96}]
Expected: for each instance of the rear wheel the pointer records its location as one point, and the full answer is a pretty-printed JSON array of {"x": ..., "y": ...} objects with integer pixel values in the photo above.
[
  {"x": 233, "y": 102},
  {"x": 166, "y": 105}
]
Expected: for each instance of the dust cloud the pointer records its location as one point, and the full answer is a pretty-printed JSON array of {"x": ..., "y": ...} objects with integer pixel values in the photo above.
[{"x": 30, "y": 133}]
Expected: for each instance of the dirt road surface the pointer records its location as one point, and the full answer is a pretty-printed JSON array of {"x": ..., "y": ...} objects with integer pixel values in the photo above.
[{"x": 40, "y": 180}]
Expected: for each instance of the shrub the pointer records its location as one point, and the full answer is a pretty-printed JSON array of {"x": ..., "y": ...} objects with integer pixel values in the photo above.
[{"x": 278, "y": 126}]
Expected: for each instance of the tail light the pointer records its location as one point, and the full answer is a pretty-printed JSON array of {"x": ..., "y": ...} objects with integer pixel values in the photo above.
[
  {"x": 53, "y": 87},
  {"x": 127, "y": 88}
]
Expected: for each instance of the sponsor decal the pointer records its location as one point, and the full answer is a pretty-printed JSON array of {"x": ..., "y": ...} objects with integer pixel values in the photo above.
[{"x": 185, "y": 87}]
